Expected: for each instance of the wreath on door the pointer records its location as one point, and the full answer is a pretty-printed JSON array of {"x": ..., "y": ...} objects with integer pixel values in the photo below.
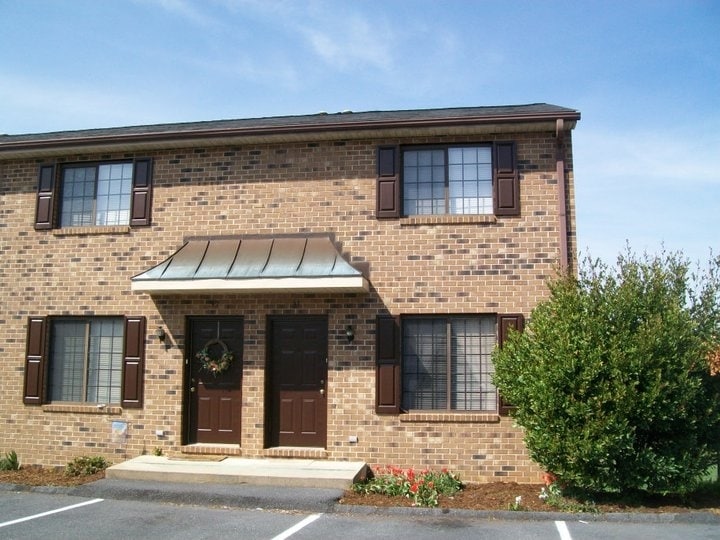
[{"x": 215, "y": 365}]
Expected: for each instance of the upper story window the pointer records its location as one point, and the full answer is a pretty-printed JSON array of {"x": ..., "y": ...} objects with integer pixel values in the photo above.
[
  {"x": 454, "y": 180},
  {"x": 478, "y": 179},
  {"x": 94, "y": 194},
  {"x": 97, "y": 195}
]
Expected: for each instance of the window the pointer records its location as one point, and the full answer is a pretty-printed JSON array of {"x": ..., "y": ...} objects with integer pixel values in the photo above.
[
  {"x": 94, "y": 195},
  {"x": 97, "y": 195},
  {"x": 85, "y": 360},
  {"x": 455, "y": 180},
  {"x": 446, "y": 363},
  {"x": 439, "y": 363},
  {"x": 479, "y": 179}
]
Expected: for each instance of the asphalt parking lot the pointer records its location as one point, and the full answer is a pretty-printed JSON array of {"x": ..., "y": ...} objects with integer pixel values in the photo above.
[{"x": 32, "y": 514}]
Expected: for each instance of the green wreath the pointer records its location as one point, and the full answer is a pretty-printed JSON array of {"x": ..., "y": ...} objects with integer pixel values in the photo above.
[{"x": 214, "y": 366}]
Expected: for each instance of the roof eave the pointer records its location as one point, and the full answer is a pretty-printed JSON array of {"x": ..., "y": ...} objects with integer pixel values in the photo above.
[{"x": 251, "y": 134}]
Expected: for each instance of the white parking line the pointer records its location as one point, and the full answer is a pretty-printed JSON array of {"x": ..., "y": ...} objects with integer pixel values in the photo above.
[
  {"x": 63, "y": 509},
  {"x": 563, "y": 530},
  {"x": 292, "y": 530}
]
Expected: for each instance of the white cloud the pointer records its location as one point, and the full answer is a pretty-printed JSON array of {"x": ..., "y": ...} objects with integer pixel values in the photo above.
[
  {"x": 185, "y": 9},
  {"x": 349, "y": 41}
]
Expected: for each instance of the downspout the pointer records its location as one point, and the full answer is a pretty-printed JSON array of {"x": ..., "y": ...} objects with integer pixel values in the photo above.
[{"x": 562, "y": 197}]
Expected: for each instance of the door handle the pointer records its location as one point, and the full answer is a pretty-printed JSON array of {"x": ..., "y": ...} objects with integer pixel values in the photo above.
[
  {"x": 192, "y": 388},
  {"x": 322, "y": 391}
]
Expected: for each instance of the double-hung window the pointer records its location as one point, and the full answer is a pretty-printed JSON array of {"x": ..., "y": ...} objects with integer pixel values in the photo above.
[
  {"x": 462, "y": 179},
  {"x": 439, "y": 363},
  {"x": 86, "y": 360},
  {"x": 452, "y": 180},
  {"x": 94, "y": 194},
  {"x": 447, "y": 364}
]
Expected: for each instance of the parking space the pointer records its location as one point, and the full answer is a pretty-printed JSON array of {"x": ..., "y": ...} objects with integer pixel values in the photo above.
[{"x": 42, "y": 515}]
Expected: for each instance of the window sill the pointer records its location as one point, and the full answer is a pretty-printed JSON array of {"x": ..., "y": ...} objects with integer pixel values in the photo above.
[
  {"x": 78, "y": 231},
  {"x": 81, "y": 408},
  {"x": 460, "y": 219},
  {"x": 451, "y": 417}
]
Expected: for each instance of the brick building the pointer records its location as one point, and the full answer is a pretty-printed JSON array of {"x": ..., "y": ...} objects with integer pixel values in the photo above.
[{"x": 327, "y": 286}]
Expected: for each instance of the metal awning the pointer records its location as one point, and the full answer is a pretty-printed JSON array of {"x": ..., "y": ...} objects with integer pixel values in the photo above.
[{"x": 258, "y": 264}]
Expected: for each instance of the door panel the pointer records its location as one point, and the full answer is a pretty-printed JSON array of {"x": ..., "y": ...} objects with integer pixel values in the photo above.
[
  {"x": 215, "y": 401},
  {"x": 298, "y": 377}
]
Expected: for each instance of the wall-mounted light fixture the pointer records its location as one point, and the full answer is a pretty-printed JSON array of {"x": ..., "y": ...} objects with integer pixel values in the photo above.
[
  {"x": 349, "y": 333},
  {"x": 160, "y": 333}
]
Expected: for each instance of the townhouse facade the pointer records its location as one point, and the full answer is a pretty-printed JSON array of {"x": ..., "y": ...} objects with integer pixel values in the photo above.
[{"x": 325, "y": 286}]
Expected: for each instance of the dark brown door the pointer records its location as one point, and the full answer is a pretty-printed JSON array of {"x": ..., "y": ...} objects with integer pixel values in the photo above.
[
  {"x": 215, "y": 399},
  {"x": 298, "y": 380}
]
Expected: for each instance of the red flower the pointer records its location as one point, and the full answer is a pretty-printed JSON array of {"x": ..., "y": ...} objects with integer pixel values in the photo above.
[
  {"x": 414, "y": 488},
  {"x": 549, "y": 478}
]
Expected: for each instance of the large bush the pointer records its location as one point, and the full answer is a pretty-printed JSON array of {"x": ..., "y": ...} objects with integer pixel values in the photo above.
[{"x": 611, "y": 378}]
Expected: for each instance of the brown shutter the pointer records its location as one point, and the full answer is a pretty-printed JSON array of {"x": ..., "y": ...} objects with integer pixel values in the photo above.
[
  {"x": 45, "y": 205},
  {"x": 506, "y": 323},
  {"x": 506, "y": 188},
  {"x": 133, "y": 366},
  {"x": 388, "y": 372},
  {"x": 141, "y": 205},
  {"x": 388, "y": 182},
  {"x": 35, "y": 352}
]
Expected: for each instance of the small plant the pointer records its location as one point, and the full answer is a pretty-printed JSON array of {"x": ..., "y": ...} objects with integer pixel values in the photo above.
[
  {"x": 517, "y": 505},
  {"x": 158, "y": 451},
  {"x": 423, "y": 487},
  {"x": 552, "y": 495},
  {"x": 86, "y": 465},
  {"x": 10, "y": 462}
]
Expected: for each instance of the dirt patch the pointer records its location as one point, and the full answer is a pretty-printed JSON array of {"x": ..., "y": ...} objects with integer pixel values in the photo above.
[
  {"x": 501, "y": 495},
  {"x": 46, "y": 476}
]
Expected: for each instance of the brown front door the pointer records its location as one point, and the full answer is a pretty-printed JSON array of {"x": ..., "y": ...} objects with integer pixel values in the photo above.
[
  {"x": 214, "y": 399},
  {"x": 297, "y": 382}
]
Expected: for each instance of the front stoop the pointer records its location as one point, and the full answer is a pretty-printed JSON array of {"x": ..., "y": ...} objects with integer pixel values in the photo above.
[{"x": 235, "y": 470}]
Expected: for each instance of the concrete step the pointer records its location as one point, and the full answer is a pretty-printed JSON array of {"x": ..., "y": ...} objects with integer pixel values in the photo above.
[{"x": 236, "y": 470}]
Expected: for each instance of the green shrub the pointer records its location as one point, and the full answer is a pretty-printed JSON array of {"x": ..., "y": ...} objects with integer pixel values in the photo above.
[
  {"x": 611, "y": 380},
  {"x": 86, "y": 465},
  {"x": 423, "y": 487},
  {"x": 9, "y": 462}
]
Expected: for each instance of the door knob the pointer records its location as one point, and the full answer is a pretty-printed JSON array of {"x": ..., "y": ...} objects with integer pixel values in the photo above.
[
  {"x": 192, "y": 388},
  {"x": 322, "y": 391}
]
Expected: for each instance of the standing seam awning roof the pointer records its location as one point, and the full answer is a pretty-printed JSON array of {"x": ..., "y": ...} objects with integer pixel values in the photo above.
[{"x": 259, "y": 264}]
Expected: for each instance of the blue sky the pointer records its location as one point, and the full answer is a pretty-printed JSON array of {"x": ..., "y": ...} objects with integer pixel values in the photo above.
[{"x": 644, "y": 74}]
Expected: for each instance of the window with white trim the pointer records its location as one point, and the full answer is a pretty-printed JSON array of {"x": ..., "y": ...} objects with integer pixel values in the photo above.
[
  {"x": 449, "y": 180},
  {"x": 447, "y": 363},
  {"x": 86, "y": 360},
  {"x": 96, "y": 195}
]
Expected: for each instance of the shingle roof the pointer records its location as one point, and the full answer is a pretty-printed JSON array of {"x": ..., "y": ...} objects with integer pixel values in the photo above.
[{"x": 283, "y": 125}]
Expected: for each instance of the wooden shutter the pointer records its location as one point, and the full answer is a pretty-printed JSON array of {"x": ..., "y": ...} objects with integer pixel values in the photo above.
[
  {"x": 506, "y": 187},
  {"x": 45, "y": 205},
  {"x": 387, "y": 373},
  {"x": 506, "y": 323},
  {"x": 133, "y": 366},
  {"x": 141, "y": 202},
  {"x": 35, "y": 360},
  {"x": 388, "y": 182}
]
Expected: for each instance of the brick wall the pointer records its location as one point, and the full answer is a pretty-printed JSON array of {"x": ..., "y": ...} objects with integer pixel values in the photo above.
[{"x": 415, "y": 265}]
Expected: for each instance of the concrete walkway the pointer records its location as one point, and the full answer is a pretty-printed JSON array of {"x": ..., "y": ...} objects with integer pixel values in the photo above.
[{"x": 308, "y": 473}]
